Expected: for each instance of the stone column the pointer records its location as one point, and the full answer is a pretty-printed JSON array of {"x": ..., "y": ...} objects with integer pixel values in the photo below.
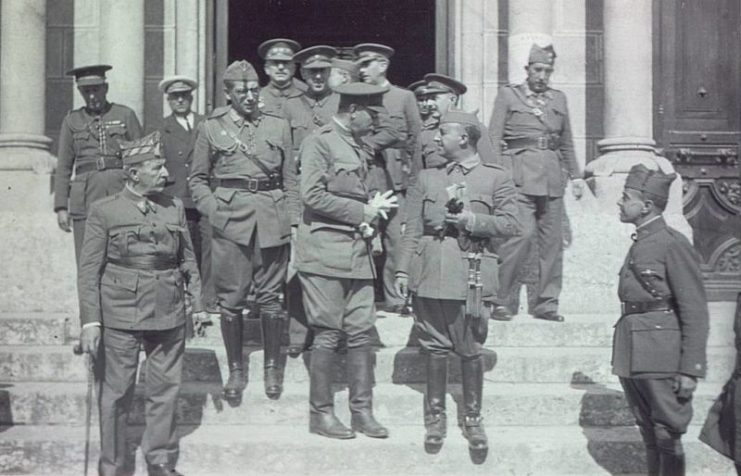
[
  {"x": 122, "y": 46},
  {"x": 530, "y": 21},
  {"x": 187, "y": 46}
]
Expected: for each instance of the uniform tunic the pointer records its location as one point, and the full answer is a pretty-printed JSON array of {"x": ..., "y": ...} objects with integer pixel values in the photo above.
[
  {"x": 274, "y": 99},
  {"x": 306, "y": 113}
]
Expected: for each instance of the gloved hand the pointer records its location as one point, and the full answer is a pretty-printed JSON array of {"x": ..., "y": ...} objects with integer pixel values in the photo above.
[
  {"x": 381, "y": 204},
  {"x": 459, "y": 220},
  {"x": 577, "y": 188}
]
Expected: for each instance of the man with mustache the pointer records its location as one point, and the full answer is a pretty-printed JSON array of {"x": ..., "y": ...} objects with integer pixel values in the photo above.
[
  {"x": 244, "y": 180},
  {"x": 89, "y": 146},
  {"x": 280, "y": 68}
]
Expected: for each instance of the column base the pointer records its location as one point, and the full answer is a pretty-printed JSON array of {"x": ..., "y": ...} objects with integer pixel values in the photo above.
[{"x": 20, "y": 151}]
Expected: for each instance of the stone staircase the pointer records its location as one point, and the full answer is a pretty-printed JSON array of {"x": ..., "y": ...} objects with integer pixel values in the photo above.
[{"x": 551, "y": 406}]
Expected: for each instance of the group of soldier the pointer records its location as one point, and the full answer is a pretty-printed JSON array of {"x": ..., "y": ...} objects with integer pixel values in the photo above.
[{"x": 292, "y": 189}]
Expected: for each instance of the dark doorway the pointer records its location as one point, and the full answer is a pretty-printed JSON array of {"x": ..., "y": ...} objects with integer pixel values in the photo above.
[{"x": 406, "y": 25}]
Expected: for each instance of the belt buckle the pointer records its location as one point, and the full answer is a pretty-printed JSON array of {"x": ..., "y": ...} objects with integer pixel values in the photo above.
[
  {"x": 100, "y": 163},
  {"x": 250, "y": 187},
  {"x": 542, "y": 142}
]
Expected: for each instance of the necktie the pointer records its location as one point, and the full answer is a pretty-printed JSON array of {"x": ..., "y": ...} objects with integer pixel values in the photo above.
[{"x": 187, "y": 125}]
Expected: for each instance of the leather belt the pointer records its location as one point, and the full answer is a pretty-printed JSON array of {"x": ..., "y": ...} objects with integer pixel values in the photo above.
[
  {"x": 146, "y": 262},
  {"x": 250, "y": 184},
  {"x": 639, "y": 307},
  {"x": 101, "y": 163},
  {"x": 450, "y": 231},
  {"x": 542, "y": 142}
]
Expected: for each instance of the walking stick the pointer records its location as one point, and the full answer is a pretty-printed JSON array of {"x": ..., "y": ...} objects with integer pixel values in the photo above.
[{"x": 77, "y": 349}]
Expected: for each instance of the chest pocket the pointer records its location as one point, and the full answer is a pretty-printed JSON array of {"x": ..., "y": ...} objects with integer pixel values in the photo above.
[
  {"x": 433, "y": 210},
  {"x": 122, "y": 238},
  {"x": 347, "y": 183},
  {"x": 116, "y": 131},
  {"x": 652, "y": 278}
]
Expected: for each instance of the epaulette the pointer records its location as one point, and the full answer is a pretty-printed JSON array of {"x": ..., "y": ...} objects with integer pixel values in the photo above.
[
  {"x": 219, "y": 111},
  {"x": 109, "y": 198},
  {"x": 493, "y": 165},
  {"x": 324, "y": 129}
]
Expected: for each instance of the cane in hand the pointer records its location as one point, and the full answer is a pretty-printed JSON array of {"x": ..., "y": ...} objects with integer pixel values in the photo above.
[{"x": 77, "y": 349}]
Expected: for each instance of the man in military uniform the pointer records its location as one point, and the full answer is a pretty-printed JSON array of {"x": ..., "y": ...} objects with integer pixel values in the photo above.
[
  {"x": 447, "y": 261},
  {"x": 419, "y": 89},
  {"x": 178, "y": 133},
  {"x": 333, "y": 258},
  {"x": 89, "y": 146},
  {"x": 396, "y": 144},
  {"x": 280, "y": 68},
  {"x": 533, "y": 121},
  {"x": 244, "y": 180},
  {"x": 343, "y": 72},
  {"x": 136, "y": 263},
  {"x": 661, "y": 337}
]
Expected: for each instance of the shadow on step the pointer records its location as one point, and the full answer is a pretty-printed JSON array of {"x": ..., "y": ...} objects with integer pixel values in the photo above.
[{"x": 6, "y": 410}]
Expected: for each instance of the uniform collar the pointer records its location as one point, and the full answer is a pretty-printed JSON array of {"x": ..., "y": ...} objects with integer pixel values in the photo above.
[
  {"x": 319, "y": 100},
  {"x": 650, "y": 227},
  {"x": 239, "y": 120},
  {"x": 530, "y": 93},
  {"x": 277, "y": 91},
  {"x": 466, "y": 165}
]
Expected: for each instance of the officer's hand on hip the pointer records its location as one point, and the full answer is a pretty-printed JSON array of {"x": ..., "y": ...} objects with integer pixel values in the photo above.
[
  {"x": 89, "y": 340},
  {"x": 459, "y": 220},
  {"x": 684, "y": 386},
  {"x": 577, "y": 188},
  {"x": 63, "y": 220},
  {"x": 401, "y": 284}
]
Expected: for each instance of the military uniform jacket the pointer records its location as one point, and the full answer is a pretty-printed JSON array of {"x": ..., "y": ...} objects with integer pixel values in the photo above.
[
  {"x": 274, "y": 99},
  {"x": 83, "y": 139},
  {"x": 334, "y": 194},
  {"x": 438, "y": 267},
  {"x": 224, "y": 144},
  {"x": 120, "y": 297},
  {"x": 521, "y": 114},
  {"x": 305, "y": 114},
  {"x": 177, "y": 148},
  {"x": 661, "y": 264},
  {"x": 397, "y": 138}
]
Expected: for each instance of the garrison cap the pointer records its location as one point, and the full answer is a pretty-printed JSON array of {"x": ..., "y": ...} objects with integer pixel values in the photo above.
[
  {"x": 315, "y": 57},
  {"x": 367, "y": 95},
  {"x": 141, "y": 150},
  {"x": 278, "y": 49},
  {"x": 439, "y": 83},
  {"x": 455, "y": 116},
  {"x": 177, "y": 84},
  {"x": 651, "y": 182},
  {"x": 90, "y": 75},
  {"x": 365, "y": 52},
  {"x": 348, "y": 66},
  {"x": 545, "y": 55},
  {"x": 418, "y": 87},
  {"x": 240, "y": 71}
]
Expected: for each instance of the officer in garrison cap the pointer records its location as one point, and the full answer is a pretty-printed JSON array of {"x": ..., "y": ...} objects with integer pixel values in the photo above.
[
  {"x": 280, "y": 68},
  {"x": 136, "y": 263},
  {"x": 660, "y": 340},
  {"x": 531, "y": 132},
  {"x": 178, "y": 133},
  {"x": 89, "y": 158},
  {"x": 447, "y": 261},
  {"x": 243, "y": 180},
  {"x": 343, "y": 72},
  {"x": 395, "y": 145},
  {"x": 333, "y": 258}
]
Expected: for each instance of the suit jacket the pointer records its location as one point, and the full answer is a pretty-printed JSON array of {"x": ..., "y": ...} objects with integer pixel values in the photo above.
[
  {"x": 437, "y": 266},
  {"x": 177, "y": 148},
  {"x": 661, "y": 264},
  {"x": 224, "y": 144},
  {"x": 124, "y": 298}
]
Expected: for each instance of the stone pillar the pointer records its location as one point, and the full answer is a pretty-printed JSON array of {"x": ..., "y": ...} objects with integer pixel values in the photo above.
[
  {"x": 122, "y": 46},
  {"x": 530, "y": 21}
]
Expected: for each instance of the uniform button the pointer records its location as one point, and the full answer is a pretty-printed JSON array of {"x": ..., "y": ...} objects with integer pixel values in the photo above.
[
  {"x": 187, "y": 166},
  {"x": 180, "y": 153}
]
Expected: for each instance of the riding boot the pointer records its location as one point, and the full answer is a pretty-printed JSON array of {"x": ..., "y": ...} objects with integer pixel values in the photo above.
[
  {"x": 232, "y": 328},
  {"x": 272, "y": 333},
  {"x": 360, "y": 378},
  {"x": 435, "y": 419},
  {"x": 473, "y": 381},
  {"x": 653, "y": 461},
  {"x": 322, "y": 419},
  {"x": 671, "y": 454}
]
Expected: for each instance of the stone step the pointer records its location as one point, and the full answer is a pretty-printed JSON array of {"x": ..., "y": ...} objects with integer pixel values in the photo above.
[
  {"x": 590, "y": 405},
  {"x": 398, "y": 365},
  {"x": 33, "y": 328},
  {"x": 272, "y": 450}
]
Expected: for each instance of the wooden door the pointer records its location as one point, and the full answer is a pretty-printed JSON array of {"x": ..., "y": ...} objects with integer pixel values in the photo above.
[{"x": 697, "y": 109}]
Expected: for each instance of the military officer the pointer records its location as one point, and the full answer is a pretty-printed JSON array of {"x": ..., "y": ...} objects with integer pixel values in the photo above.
[
  {"x": 178, "y": 133},
  {"x": 136, "y": 263},
  {"x": 419, "y": 88},
  {"x": 244, "y": 180},
  {"x": 280, "y": 68},
  {"x": 343, "y": 72},
  {"x": 660, "y": 340},
  {"x": 89, "y": 146},
  {"x": 533, "y": 121},
  {"x": 333, "y": 258},
  {"x": 396, "y": 144},
  {"x": 441, "y": 247}
]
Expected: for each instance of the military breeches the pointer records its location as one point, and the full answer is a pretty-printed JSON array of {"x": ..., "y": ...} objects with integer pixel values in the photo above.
[
  {"x": 163, "y": 376},
  {"x": 237, "y": 267},
  {"x": 658, "y": 412},
  {"x": 338, "y": 305},
  {"x": 391, "y": 234},
  {"x": 542, "y": 221},
  {"x": 78, "y": 234},
  {"x": 443, "y": 327}
]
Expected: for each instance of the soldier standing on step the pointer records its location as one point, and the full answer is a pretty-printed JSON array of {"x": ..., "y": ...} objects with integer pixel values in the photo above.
[
  {"x": 333, "y": 258},
  {"x": 280, "y": 68},
  {"x": 447, "y": 262},
  {"x": 136, "y": 261},
  {"x": 89, "y": 141},
  {"x": 660, "y": 340},
  {"x": 244, "y": 180}
]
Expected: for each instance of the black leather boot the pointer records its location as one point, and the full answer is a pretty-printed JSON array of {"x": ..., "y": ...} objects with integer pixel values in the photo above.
[
  {"x": 322, "y": 419},
  {"x": 232, "y": 328},
  {"x": 671, "y": 454},
  {"x": 435, "y": 419},
  {"x": 360, "y": 378},
  {"x": 272, "y": 332},
  {"x": 653, "y": 462},
  {"x": 473, "y": 425}
]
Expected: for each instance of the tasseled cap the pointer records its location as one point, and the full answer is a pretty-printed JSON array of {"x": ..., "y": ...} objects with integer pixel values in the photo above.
[
  {"x": 545, "y": 54},
  {"x": 141, "y": 150},
  {"x": 240, "y": 71},
  {"x": 460, "y": 117},
  {"x": 651, "y": 182}
]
